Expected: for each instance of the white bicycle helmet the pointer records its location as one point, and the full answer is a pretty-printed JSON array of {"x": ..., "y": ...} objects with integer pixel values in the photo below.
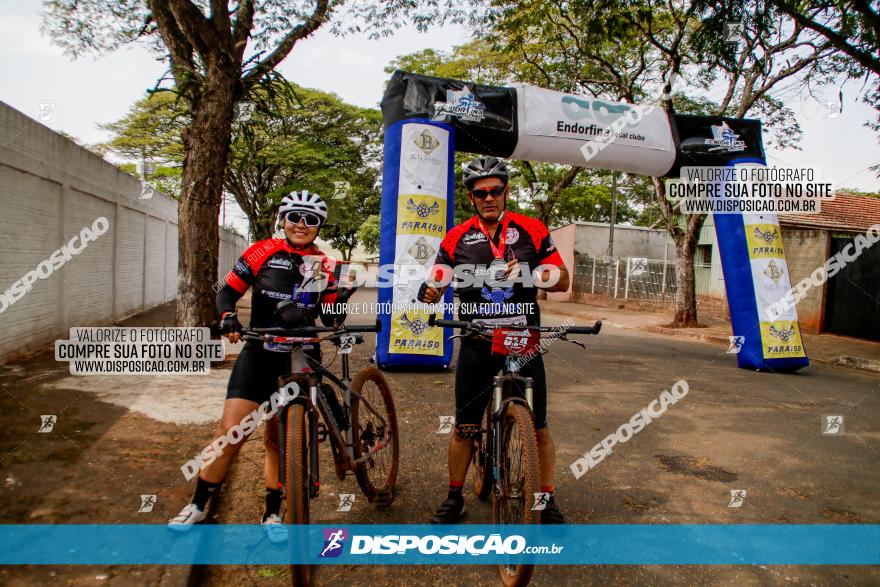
[{"x": 304, "y": 201}]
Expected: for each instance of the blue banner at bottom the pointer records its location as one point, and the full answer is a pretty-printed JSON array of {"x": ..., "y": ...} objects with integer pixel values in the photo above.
[{"x": 618, "y": 544}]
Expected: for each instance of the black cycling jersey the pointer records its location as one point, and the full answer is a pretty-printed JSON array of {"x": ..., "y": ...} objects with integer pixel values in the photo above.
[
  {"x": 466, "y": 249},
  {"x": 278, "y": 271}
]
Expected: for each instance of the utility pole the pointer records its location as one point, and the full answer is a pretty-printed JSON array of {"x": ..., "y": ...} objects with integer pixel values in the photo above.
[{"x": 613, "y": 213}]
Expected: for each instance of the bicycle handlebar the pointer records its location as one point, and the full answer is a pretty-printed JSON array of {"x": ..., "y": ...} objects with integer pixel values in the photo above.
[
  {"x": 594, "y": 329},
  {"x": 305, "y": 331}
]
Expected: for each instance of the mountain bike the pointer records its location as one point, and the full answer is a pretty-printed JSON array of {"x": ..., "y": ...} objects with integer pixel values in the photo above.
[
  {"x": 506, "y": 456},
  {"x": 362, "y": 427}
]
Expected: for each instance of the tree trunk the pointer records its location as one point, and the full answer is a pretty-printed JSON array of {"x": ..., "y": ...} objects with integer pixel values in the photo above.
[
  {"x": 685, "y": 250},
  {"x": 686, "y": 283},
  {"x": 685, "y": 279},
  {"x": 262, "y": 227},
  {"x": 207, "y": 148}
]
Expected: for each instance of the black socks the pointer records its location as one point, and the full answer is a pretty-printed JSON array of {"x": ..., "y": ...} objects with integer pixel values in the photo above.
[
  {"x": 455, "y": 488},
  {"x": 204, "y": 491},
  {"x": 273, "y": 502}
]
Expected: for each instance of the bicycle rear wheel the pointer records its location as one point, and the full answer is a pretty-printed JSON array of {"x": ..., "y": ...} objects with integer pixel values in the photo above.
[
  {"x": 483, "y": 458},
  {"x": 370, "y": 425},
  {"x": 296, "y": 480},
  {"x": 518, "y": 481}
]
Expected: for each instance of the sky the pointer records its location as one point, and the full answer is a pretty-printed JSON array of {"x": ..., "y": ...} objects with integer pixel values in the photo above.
[{"x": 89, "y": 91}]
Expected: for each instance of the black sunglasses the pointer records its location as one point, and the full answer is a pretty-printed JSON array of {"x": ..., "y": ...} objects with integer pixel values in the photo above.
[
  {"x": 495, "y": 192},
  {"x": 310, "y": 219}
]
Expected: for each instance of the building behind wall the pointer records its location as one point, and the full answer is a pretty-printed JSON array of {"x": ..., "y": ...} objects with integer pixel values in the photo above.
[
  {"x": 848, "y": 303},
  {"x": 584, "y": 247}
]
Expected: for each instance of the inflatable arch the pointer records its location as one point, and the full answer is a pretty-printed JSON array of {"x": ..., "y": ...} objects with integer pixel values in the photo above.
[{"x": 428, "y": 119}]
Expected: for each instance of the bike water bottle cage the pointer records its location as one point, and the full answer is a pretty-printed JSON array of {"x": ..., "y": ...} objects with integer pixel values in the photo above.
[{"x": 468, "y": 431}]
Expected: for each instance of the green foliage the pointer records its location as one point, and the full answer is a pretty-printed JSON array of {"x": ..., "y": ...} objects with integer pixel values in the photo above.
[
  {"x": 852, "y": 192},
  {"x": 368, "y": 234},
  {"x": 311, "y": 142},
  {"x": 297, "y": 139},
  {"x": 152, "y": 127},
  {"x": 475, "y": 61}
]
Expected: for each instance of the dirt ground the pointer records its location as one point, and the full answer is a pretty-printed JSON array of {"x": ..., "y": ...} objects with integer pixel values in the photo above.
[
  {"x": 94, "y": 465},
  {"x": 734, "y": 430}
]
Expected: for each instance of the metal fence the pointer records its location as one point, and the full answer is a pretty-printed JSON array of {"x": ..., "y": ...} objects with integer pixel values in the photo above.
[{"x": 638, "y": 278}]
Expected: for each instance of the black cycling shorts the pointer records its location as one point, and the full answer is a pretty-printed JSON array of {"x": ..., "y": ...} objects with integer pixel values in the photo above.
[
  {"x": 476, "y": 368},
  {"x": 256, "y": 371}
]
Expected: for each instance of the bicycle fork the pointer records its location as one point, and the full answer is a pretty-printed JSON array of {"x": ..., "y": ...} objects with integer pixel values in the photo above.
[
  {"x": 499, "y": 408},
  {"x": 312, "y": 417},
  {"x": 314, "y": 470}
]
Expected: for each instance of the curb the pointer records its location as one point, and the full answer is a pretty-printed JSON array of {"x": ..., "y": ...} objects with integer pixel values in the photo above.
[
  {"x": 862, "y": 364},
  {"x": 855, "y": 363},
  {"x": 723, "y": 340},
  {"x": 872, "y": 365}
]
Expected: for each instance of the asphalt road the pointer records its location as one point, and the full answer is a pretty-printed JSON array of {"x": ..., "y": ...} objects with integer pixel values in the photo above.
[{"x": 735, "y": 430}]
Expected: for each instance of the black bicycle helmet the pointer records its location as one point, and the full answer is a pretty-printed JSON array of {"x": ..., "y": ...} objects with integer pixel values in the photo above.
[{"x": 483, "y": 167}]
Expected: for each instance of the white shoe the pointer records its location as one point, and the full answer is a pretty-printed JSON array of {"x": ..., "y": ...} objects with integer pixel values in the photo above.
[
  {"x": 276, "y": 530},
  {"x": 188, "y": 516}
]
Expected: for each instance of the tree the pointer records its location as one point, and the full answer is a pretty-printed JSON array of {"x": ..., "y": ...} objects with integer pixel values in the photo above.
[
  {"x": 316, "y": 142},
  {"x": 153, "y": 128},
  {"x": 151, "y": 132},
  {"x": 218, "y": 53},
  {"x": 312, "y": 141},
  {"x": 368, "y": 234},
  {"x": 773, "y": 50},
  {"x": 629, "y": 51},
  {"x": 853, "y": 27},
  {"x": 347, "y": 218},
  {"x": 479, "y": 61}
]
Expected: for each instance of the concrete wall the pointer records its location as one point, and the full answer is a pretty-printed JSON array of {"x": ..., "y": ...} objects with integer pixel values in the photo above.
[
  {"x": 629, "y": 241},
  {"x": 805, "y": 251},
  {"x": 565, "y": 237},
  {"x": 50, "y": 189},
  {"x": 709, "y": 279}
]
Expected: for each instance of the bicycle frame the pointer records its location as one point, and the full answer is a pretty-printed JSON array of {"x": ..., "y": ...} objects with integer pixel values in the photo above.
[
  {"x": 509, "y": 376},
  {"x": 507, "y": 380},
  {"x": 305, "y": 374}
]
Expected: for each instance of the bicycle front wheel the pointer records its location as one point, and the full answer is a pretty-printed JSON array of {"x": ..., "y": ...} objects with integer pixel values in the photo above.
[
  {"x": 518, "y": 482},
  {"x": 483, "y": 458},
  {"x": 296, "y": 480},
  {"x": 374, "y": 428}
]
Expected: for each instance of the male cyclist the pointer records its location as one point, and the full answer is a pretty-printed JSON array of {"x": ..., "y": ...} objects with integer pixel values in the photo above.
[
  {"x": 501, "y": 244},
  {"x": 289, "y": 268}
]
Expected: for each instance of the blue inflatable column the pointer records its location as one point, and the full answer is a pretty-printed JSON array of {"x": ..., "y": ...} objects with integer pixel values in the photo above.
[
  {"x": 756, "y": 276},
  {"x": 417, "y": 210}
]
